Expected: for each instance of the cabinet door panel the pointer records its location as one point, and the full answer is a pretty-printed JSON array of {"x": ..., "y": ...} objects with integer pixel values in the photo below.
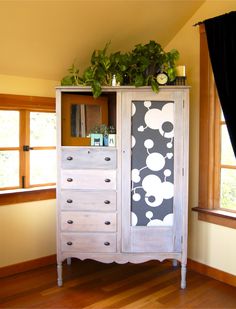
[
  {"x": 152, "y": 148},
  {"x": 152, "y": 239}
]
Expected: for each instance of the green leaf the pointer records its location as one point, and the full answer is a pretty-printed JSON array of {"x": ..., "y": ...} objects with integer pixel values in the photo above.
[
  {"x": 171, "y": 74},
  {"x": 154, "y": 85},
  {"x": 88, "y": 74},
  {"x": 67, "y": 81},
  {"x": 96, "y": 89},
  {"x": 106, "y": 63},
  {"x": 139, "y": 80}
]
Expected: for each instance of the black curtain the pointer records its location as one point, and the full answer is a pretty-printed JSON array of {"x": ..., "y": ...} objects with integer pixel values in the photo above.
[{"x": 221, "y": 38}]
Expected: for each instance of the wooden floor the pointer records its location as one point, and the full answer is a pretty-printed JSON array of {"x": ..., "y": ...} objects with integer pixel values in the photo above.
[{"x": 90, "y": 284}]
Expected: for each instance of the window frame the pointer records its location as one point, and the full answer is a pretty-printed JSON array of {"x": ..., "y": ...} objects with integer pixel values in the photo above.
[
  {"x": 210, "y": 145},
  {"x": 26, "y": 104}
]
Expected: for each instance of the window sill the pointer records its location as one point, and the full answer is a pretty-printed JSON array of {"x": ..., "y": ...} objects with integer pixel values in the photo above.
[
  {"x": 27, "y": 195},
  {"x": 220, "y": 217}
]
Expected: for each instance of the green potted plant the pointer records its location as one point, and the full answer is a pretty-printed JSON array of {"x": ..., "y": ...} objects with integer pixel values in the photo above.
[
  {"x": 149, "y": 59},
  {"x": 138, "y": 67}
]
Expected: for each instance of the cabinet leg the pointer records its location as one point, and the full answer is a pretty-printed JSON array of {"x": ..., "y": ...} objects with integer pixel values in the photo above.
[
  {"x": 59, "y": 274},
  {"x": 174, "y": 263},
  {"x": 183, "y": 276},
  {"x": 68, "y": 261}
]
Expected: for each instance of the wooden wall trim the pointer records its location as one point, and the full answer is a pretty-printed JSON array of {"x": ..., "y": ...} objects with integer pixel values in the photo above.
[
  {"x": 217, "y": 216},
  {"x": 28, "y": 265},
  {"x": 212, "y": 272},
  {"x": 12, "y": 101},
  {"x": 51, "y": 259},
  {"x": 23, "y": 196}
]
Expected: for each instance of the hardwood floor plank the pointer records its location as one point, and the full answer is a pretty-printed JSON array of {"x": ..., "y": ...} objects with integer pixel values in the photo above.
[
  {"x": 90, "y": 284},
  {"x": 136, "y": 277},
  {"x": 151, "y": 299},
  {"x": 110, "y": 301}
]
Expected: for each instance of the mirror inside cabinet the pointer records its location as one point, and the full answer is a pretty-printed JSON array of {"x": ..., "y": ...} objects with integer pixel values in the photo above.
[{"x": 80, "y": 113}]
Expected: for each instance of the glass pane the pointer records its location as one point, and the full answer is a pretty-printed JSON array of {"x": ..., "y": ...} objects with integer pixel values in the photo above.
[
  {"x": 42, "y": 129},
  {"x": 42, "y": 166},
  {"x": 9, "y": 169},
  {"x": 76, "y": 125},
  {"x": 222, "y": 116},
  {"x": 152, "y": 163},
  {"x": 83, "y": 118},
  {"x": 9, "y": 128},
  {"x": 227, "y": 154},
  {"x": 228, "y": 188},
  {"x": 93, "y": 115}
]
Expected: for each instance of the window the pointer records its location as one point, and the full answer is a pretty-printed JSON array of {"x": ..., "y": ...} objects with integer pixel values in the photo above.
[
  {"x": 27, "y": 147},
  {"x": 217, "y": 164},
  {"x": 227, "y": 170}
]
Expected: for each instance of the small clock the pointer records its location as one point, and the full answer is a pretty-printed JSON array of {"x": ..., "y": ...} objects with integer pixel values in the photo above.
[{"x": 162, "y": 78}]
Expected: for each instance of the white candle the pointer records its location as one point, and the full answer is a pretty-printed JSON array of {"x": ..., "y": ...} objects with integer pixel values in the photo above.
[{"x": 180, "y": 70}]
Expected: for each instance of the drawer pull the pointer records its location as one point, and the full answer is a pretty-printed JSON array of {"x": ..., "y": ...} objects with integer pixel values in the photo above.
[
  {"x": 107, "y": 222},
  {"x": 69, "y": 201},
  {"x": 107, "y": 202},
  {"x": 69, "y": 179},
  {"x": 107, "y": 180},
  {"x": 106, "y": 243},
  {"x": 70, "y": 222},
  {"x": 107, "y": 159},
  {"x": 69, "y": 243},
  {"x": 69, "y": 158}
]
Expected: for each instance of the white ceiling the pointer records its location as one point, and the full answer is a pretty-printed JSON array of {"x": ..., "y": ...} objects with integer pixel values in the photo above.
[{"x": 41, "y": 39}]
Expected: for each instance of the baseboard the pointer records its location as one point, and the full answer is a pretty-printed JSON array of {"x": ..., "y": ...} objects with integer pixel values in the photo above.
[
  {"x": 51, "y": 259},
  {"x": 212, "y": 272},
  {"x": 28, "y": 265}
]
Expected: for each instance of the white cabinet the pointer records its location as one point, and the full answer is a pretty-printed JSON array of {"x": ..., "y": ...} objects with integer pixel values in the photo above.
[{"x": 126, "y": 203}]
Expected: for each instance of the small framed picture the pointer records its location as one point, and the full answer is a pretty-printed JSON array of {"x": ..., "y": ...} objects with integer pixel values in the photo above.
[
  {"x": 111, "y": 140},
  {"x": 96, "y": 139}
]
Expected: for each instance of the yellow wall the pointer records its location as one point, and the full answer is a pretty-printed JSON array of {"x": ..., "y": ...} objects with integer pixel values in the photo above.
[
  {"x": 27, "y": 231},
  {"x": 27, "y": 86},
  {"x": 209, "y": 244}
]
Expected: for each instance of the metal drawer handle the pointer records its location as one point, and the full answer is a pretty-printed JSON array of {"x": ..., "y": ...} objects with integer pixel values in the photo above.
[
  {"x": 69, "y": 158},
  {"x": 70, "y": 222},
  {"x": 107, "y": 159},
  {"x": 69, "y": 243},
  {"x": 106, "y": 243},
  {"x": 69, "y": 201},
  {"x": 107, "y": 222},
  {"x": 107, "y": 202},
  {"x": 69, "y": 179},
  {"x": 107, "y": 180}
]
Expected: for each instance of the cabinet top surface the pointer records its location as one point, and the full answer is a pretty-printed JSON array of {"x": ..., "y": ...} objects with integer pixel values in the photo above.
[{"x": 120, "y": 88}]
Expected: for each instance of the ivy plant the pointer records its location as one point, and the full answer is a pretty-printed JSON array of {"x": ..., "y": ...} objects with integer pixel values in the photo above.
[{"x": 138, "y": 67}]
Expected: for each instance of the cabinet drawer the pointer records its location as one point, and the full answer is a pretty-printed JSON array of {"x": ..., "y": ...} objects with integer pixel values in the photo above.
[
  {"x": 88, "y": 222},
  {"x": 89, "y": 179},
  {"x": 92, "y": 242},
  {"x": 88, "y": 200},
  {"x": 89, "y": 158}
]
